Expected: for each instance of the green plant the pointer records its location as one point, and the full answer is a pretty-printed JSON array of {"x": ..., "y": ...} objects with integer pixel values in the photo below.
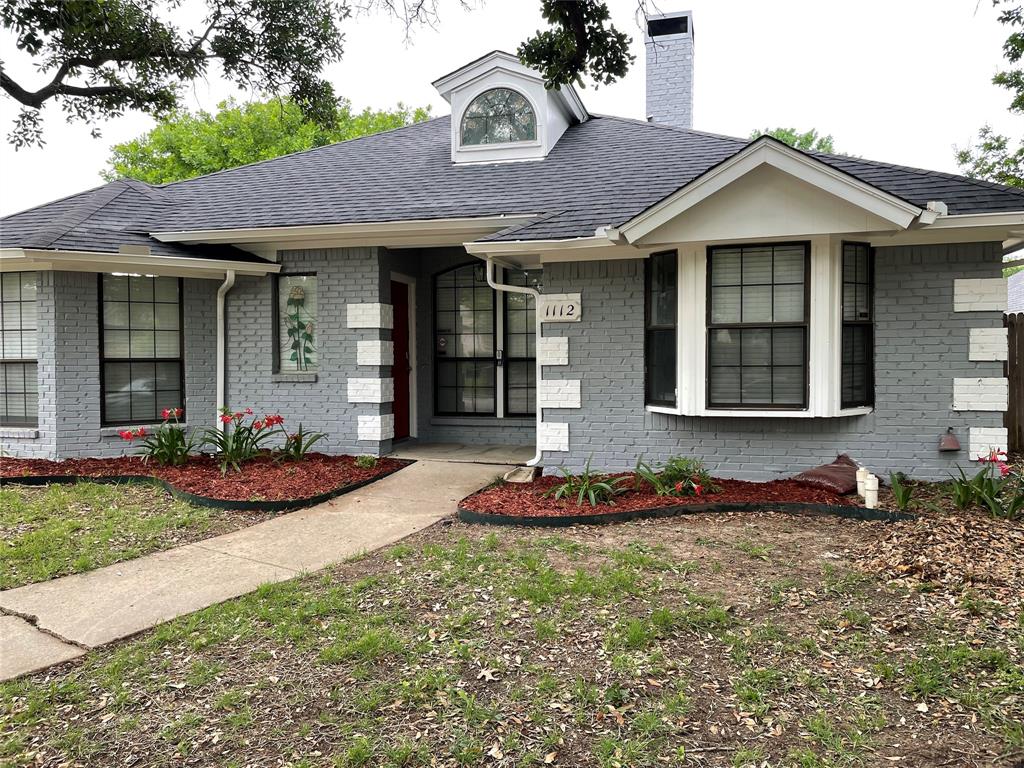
[
  {"x": 680, "y": 476},
  {"x": 962, "y": 490},
  {"x": 236, "y": 441},
  {"x": 366, "y": 462},
  {"x": 297, "y": 444},
  {"x": 590, "y": 486},
  {"x": 902, "y": 490},
  {"x": 169, "y": 445}
]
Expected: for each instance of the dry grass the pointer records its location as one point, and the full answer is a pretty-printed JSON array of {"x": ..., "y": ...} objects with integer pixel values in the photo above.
[{"x": 707, "y": 640}]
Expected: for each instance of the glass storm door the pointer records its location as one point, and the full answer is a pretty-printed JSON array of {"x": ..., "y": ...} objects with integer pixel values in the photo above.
[{"x": 465, "y": 360}]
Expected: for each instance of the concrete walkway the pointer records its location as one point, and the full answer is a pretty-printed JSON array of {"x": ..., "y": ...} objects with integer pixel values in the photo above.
[{"x": 57, "y": 620}]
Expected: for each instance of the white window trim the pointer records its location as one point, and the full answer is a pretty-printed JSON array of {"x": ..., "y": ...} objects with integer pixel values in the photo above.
[{"x": 824, "y": 337}]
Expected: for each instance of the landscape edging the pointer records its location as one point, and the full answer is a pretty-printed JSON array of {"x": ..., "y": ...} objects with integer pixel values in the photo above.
[
  {"x": 553, "y": 521},
  {"x": 283, "y": 505}
]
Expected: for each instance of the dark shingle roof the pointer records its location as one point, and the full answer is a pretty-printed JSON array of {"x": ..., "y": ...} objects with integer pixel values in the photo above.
[{"x": 602, "y": 172}]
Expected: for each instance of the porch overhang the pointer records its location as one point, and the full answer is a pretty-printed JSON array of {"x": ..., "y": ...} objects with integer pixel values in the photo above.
[
  {"x": 32, "y": 259},
  {"x": 410, "y": 233}
]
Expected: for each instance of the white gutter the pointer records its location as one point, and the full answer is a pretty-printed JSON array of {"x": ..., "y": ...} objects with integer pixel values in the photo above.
[
  {"x": 222, "y": 292},
  {"x": 537, "y": 320}
]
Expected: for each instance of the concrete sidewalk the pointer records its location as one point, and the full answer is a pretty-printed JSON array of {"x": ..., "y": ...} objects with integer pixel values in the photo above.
[{"x": 57, "y": 620}]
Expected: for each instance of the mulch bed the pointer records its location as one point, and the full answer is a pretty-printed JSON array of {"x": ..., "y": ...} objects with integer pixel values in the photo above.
[
  {"x": 261, "y": 479},
  {"x": 529, "y": 500}
]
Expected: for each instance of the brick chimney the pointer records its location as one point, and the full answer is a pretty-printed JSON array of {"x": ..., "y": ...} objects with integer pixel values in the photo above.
[{"x": 669, "y": 43}]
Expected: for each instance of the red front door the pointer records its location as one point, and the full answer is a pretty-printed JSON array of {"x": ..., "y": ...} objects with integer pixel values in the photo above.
[{"x": 400, "y": 370}]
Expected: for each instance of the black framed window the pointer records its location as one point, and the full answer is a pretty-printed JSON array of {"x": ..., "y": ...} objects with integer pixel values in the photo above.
[
  {"x": 465, "y": 370},
  {"x": 758, "y": 307},
  {"x": 141, "y": 348},
  {"x": 295, "y": 328},
  {"x": 19, "y": 385},
  {"x": 858, "y": 386},
  {"x": 660, "y": 319},
  {"x": 520, "y": 344}
]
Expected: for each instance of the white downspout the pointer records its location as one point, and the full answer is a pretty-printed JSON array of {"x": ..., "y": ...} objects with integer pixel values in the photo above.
[
  {"x": 537, "y": 377},
  {"x": 222, "y": 292}
]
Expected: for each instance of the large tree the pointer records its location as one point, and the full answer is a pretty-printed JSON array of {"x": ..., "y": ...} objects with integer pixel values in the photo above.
[
  {"x": 100, "y": 58},
  {"x": 809, "y": 141},
  {"x": 185, "y": 145},
  {"x": 992, "y": 156}
]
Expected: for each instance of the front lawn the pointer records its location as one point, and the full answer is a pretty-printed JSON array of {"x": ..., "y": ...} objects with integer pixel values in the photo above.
[
  {"x": 739, "y": 639},
  {"x": 55, "y": 530}
]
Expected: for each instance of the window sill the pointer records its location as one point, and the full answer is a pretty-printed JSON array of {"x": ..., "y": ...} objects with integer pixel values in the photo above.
[
  {"x": 293, "y": 378},
  {"x": 752, "y": 414},
  {"x": 19, "y": 433},
  {"x": 116, "y": 431},
  {"x": 482, "y": 421}
]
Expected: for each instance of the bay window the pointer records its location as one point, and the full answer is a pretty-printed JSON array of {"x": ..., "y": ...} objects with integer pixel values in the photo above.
[
  {"x": 660, "y": 318},
  {"x": 19, "y": 388},
  {"x": 757, "y": 324},
  {"x": 141, "y": 363}
]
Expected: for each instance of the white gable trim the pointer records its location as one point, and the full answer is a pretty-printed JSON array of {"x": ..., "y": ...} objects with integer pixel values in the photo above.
[{"x": 767, "y": 151}]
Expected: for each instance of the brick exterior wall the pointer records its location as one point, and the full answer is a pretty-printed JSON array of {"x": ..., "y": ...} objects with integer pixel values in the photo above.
[
  {"x": 344, "y": 276},
  {"x": 69, "y": 368},
  {"x": 921, "y": 346}
]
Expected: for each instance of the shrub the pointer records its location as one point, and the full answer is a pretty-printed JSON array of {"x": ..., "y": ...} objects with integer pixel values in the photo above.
[
  {"x": 680, "y": 476},
  {"x": 902, "y": 491},
  {"x": 169, "y": 445},
  {"x": 238, "y": 441},
  {"x": 297, "y": 444},
  {"x": 590, "y": 486},
  {"x": 366, "y": 462}
]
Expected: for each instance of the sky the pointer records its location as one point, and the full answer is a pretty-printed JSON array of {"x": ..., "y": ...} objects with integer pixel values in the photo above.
[{"x": 901, "y": 80}]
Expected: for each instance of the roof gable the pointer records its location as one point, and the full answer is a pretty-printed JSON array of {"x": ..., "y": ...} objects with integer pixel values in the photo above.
[{"x": 779, "y": 188}]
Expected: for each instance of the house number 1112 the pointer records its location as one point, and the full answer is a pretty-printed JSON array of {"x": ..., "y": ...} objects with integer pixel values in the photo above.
[{"x": 561, "y": 308}]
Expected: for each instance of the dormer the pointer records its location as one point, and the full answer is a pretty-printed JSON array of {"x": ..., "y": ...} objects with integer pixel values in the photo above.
[{"x": 501, "y": 111}]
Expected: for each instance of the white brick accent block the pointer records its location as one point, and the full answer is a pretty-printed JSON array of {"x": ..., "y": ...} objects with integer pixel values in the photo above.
[
  {"x": 376, "y": 427},
  {"x": 371, "y": 390},
  {"x": 553, "y": 350},
  {"x": 553, "y": 436},
  {"x": 988, "y": 344},
  {"x": 983, "y": 440},
  {"x": 979, "y": 294},
  {"x": 371, "y": 316},
  {"x": 375, "y": 352},
  {"x": 559, "y": 393},
  {"x": 981, "y": 394}
]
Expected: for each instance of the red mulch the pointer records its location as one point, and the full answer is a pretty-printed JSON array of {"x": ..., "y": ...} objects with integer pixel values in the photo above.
[
  {"x": 260, "y": 479},
  {"x": 528, "y": 500}
]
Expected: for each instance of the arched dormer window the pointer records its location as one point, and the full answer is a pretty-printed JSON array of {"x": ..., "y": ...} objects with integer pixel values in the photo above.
[{"x": 498, "y": 116}]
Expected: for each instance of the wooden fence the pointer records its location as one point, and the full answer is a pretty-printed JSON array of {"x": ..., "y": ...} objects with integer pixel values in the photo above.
[{"x": 1015, "y": 373}]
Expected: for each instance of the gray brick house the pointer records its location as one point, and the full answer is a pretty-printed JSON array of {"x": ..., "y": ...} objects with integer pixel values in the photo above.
[{"x": 526, "y": 273}]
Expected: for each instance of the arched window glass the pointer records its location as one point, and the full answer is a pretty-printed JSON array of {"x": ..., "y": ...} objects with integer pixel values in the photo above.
[{"x": 498, "y": 116}]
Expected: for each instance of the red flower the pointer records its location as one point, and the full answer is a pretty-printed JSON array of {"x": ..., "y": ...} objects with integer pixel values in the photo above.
[
  {"x": 1004, "y": 469},
  {"x": 126, "y": 434},
  {"x": 273, "y": 420},
  {"x": 238, "y": 416},
  {"x": 248, "y": 411},
  {"x": 698, "y": 489},
  {"x": 679, "y": 487},
  {"x": 141, "y": 432},
  {"x": 225, "y": 418},
  {"x": 166, "y": 414},
  {"x": 257, "y": 425}
]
